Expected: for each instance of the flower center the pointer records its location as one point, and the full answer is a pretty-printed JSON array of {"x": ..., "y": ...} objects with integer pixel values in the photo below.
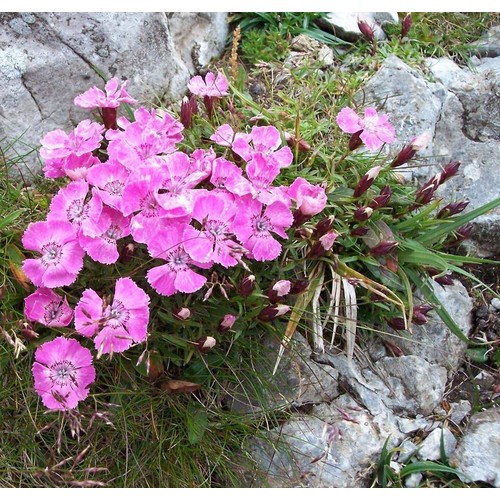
[
  {"x": 63, "y": 373},
  {"x": 114, "y": 188},
  {"x": 51, "y": 254},
  {"x": 262, "y": 225},
  {"x": 370, "y": 124},
  {"x": 116, "y": 315},
  {"x": 76, "y": 211},
  {"x": 178, "y": 259},
  {"x": 149, "y": 206},
  {"x": 53, "y": 312},
  {"x": 215, "y": 228},
  {"x": 113, "y": 233}
]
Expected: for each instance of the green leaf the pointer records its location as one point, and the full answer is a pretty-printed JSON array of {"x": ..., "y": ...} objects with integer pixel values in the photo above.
[
  {"x": 457, "y": 222},
  {"x": 424, "y": 285},
  {"x": 427, "y": 466},
  {"x": 478, "y": 354},
  {"x": 6, "y": 221},
  {"x": 197, "y": 422}
]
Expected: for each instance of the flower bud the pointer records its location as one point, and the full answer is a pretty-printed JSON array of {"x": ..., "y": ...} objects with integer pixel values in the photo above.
[
  {"x": 426, "y": 192},
  {"x": 299, "y": 286},
  {"x": 384, "y": 248},
  {"x": 442, "y": 280},
  {"x": 450, "y": 170},
  {"x": 291, "y": 140},
  {"x": 359, "y": 231},
  {"x": 109, "y": 118},
  {"x": 247, "y": 285},
  {"x": 186, "y": 115},
  {"x": 363, "y": 213},
  {"x": 204, "y": 344},
  {"x": 404, "y": 156},
  {"x": 460, "y": 235},
  {"x": 226, "y": 323},
  {"x": 27, "y": 331},
  {"x": 270, "y": 313},
  {"x": 323, "y": 226},
  {"x": 279, "y": 290},
  {"x": 127, "y": 253},
  {"x": 366, "y": 181},
  {"x": 397, "y": 323},
  {"x": 323, "y": 245},
  {"x": 420, "y": 314},
  {"x": 366, "y": 30},
  {"x": 382, "y": 199},
  {"x": 355, "y": 141},
  {"x": 183, "y": 313},
  {"x": 406, "y": 25},
  {"x": 452, "y": 209}
]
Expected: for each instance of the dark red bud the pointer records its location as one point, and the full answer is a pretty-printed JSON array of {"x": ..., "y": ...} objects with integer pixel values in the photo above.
[
  {"x": 247, "y": 285},
  {"x": 404, "y": 156},
  {"x": 366, "y": 181},
  {"x": 366, "y": 30},
  {"x": 442, "y": 280},
  {"x": 382, "y": 199},
  {"x": 299, "y": 218},
  {"x": 209, "y": 102},
  {"x": 359, "y": 231},
  {"x": 397, "y": 323},
  {"x": 323, "y": 245},
  {"x": 323, "y": 226},
  {"x": 204, "y": 344},
  {"x": 450, "y": 170},
  {"x": 27, "y": 331},
  {"x": 291, "y": 140},
  {"x": 452, "y": 209},
  {"x": 363, "y": 213},
  {"x": 355, "y": 141},
  {"x": 109, "y": 118},
  {"x": 299, "y": 286},
  {"x": 279, "y": 291},
  {"x": 406, "y": 25},
  {"x": 186, "y": 115},
  {"x": 127, "y": 253},
  {"x": 420, "y": 314},
  {"x": 270, "y": 313},
  {"x": 384, "y": 248}
]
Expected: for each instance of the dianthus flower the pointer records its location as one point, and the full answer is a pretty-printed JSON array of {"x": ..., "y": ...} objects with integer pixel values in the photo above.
[
  {"x": 86, "y": 137},
  {"x": 116, "y": 326},
  {"x": 213, "y": 243},
  {"x": 111, "y": 178},
  {"x": 48, "y": 308},
  {"x": 176, "y": 275},
  {"x": 225, "y": 136},
  {"x": 61, "y": 256},
  {"x": 73, "y": 166},
  {"x": 96, "y": 98},
  {"x": 63, "y": 373},
  {"x": 265, "y": 140},
  {"x": 376, "y": 129},
  {"x": 310, "y": 199},
  {"x": 212, "y": 86},
  {"x": 254, "y": 225}
]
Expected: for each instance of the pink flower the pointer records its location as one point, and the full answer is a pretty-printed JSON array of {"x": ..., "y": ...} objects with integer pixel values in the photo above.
[
  {"x": 225, "y": 136},
  {"x": 377, "y": 130},
  {"x": 212, "y": 86},
  {"x": 48, "y": 308},
  {"x": 63, "y": 373},
  {"x": 73, "y": 166},
  {"x": 69, "y": 204},
  {"x": 86, "y": 138},
  {"x": 111, "y": 178},
  {"x": 109, "y": 228},
  {"x": 310, "y": 199},
  {"x": 176, "y": 275},
  {"x": 213, "y": 243},
  {"x": 118, "y": 325},
  {"x": 254, "y": 225},
  {"x": 265, "y": 140},
  {"x": 96, "y": 98},
  {"x": 61, "y": 256}
]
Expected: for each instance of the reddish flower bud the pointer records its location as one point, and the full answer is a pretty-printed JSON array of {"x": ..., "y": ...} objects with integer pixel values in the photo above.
[
  {"x": 397, "y": 323},
  {"x": 452, "y": 209},
  {"x": 183, "y": 313},
  {"x": 109, "y": 118},
  {"x": 442, "y": 280},
  {"x": 299, "y": 218},
  {"x": 323, "y": 226},
  {"x": 366, "y": 30},
  {"x": 382, "y": 199},
  {"x": 461, "y": 234},
  {"x": 204, "y": 344},
  {"x": 247, "y": 285},
  {"x": 299, "y": 286},
  {"x": 359, "y": 231},
  {"x": 27, "y": 331},
  {"x": 404, "y": 156},
  {"x": 420, "y": 314},
  {"x": 406, "y": 25},
  {"x": 291, "y": 140},
  {"x": 270, "y": 313},
  {"x": 366, "y": 181},
  {"x": 384, "y": 248},
  {"x": 226, "y": 323},
  {"x": 450, "y": 170},
  {"x": 363, "y": 213},
  {"x": 186, "y": 115},
  {"x": 426, "y": 192},
  {"x": 209, "y": 102},
  {"x": 127, "y": 253},
  {"x": 355, "y": 141},
  {"x": 323, "y": 245},
  {"x": 279, "y": 290}
]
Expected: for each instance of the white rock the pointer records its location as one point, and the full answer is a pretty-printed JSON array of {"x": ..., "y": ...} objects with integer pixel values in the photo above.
[{"x": 430, "y": 448}]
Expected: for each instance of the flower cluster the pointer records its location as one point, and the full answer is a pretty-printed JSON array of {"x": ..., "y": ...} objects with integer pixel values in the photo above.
[{"x": 131, "y": 182}]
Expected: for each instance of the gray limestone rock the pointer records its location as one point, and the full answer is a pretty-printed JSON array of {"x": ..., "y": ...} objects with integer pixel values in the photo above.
[
  {"x": 478, "y": 453},
  {"x": 430, "y": 448},
  {"x": 345, "y": 24},
  {"x": 434, "y": 341},
  {"x": 489, "y": 44},
  {"x": 335, "y": 447},
  {"x": 49, "y": 58}
]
